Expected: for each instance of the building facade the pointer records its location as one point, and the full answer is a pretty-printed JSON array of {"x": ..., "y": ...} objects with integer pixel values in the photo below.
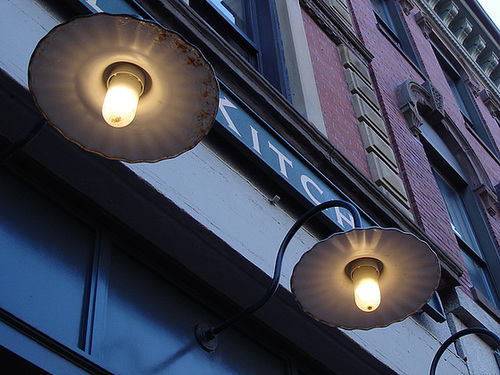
[{"x": 393, "y": 105}]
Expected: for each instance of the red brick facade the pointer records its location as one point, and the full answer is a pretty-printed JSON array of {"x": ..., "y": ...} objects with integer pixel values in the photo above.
[
  {"x": 389, "y": 69},
  {"x": 340, "y": 121}
]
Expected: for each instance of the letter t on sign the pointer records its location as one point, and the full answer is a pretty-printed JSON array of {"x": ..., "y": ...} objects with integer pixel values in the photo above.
[{"x": 282, "y": 159}]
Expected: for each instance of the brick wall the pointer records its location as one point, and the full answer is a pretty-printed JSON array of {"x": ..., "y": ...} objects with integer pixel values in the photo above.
[
  {"x": 389, "y": 69},
  {"x": 340, "y": 120}
]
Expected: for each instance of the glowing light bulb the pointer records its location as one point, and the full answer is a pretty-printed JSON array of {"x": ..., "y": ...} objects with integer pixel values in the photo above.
[
  {"x": 122, "y": 98},
  {"x": 366, "y": 288}
]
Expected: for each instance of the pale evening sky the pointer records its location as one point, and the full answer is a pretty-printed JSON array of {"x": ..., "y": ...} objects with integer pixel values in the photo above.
[{"x": 492, "y": 7}]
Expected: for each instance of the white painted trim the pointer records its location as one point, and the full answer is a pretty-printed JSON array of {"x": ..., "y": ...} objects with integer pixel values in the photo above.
[{"x": 305, "y": 96}]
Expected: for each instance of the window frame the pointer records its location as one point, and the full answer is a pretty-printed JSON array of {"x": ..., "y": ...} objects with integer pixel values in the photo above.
[
  {"x": 236, "y": 37},
  {"x": 261, "y": 45},
  {"x": 470, "y": 252},
  {"x": 464, "y": 100},
  {"x": 390, "y": 22},
  {"x": 445, "y": 165}
]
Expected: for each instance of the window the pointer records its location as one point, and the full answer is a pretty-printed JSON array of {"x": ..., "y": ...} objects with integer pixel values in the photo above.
[
  {"x": 390, "y": 22},
  {"x": 251, "y": 28},
  {"x": 464, "y": 100},
  {"x": 467, "y": 238},
  {"x": 472, "y": 234}
]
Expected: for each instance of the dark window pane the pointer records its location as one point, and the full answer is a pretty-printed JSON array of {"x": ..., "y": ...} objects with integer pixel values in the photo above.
[
  {"x": 464, "y": 100},
  {"x": 234, "y": 11},
  {"x": 480, "y": 277},
  {"x": 390, "y": 22},
  {"x": 149, "y": 329},
  {"x": 466, "y": 236},
  {"x": 457, "y": 212},
  {"x": 381, "y": 8},
  {"x": 457, "y": 93},
  {"x": 44, "y": 261}
]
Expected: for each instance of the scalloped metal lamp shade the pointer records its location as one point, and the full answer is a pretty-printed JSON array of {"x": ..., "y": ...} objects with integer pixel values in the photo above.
[
  {"x": 68, "y": 73},
  {"x": 409, "y": 276}
]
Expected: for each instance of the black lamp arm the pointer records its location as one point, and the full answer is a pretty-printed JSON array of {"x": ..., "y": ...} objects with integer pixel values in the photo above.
[
  {"x": 456, "y": 336},
  {"x": 206, "y": 335},
  {"x": 19, "y": 144}
]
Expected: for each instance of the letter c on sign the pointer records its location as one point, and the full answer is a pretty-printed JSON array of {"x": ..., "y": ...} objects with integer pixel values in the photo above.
[{"x": 306, "y": 182}]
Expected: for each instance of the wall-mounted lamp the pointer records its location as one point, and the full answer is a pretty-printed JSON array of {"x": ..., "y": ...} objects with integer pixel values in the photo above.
[
  {"x": 156, "y": 90},
  {"x": 398, "y": 272},
  {"x": 456, "y": 336}
]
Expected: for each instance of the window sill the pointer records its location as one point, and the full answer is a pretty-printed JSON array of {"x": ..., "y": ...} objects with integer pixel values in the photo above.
[{"x": 486, "y": 304}]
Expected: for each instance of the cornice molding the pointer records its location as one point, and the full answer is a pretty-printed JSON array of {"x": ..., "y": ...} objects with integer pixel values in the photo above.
[{"x": 438, "y": 26}]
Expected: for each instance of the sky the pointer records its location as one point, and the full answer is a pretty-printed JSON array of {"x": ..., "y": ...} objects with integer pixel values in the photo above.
[{"x": 492, "y": 7}]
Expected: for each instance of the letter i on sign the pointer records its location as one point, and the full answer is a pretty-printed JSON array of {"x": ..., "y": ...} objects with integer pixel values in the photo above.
[{"x": 255, "y": 139}]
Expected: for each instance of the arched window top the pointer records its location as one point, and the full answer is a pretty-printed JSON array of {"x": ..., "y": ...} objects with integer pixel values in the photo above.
[{"x": 423, "y": 104}]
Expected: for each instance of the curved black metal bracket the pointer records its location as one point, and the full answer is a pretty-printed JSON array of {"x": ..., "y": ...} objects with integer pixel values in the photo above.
[
  {"x": 456, "y": 336},
  {"x": 206, "y": 336},
  {"x": 19, "y": 144}
]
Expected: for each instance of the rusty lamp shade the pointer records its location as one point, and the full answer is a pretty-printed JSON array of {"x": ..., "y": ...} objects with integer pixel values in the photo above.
[
  {"x": 409, "y": 275},
  {"x": 71, "y": 67}
]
